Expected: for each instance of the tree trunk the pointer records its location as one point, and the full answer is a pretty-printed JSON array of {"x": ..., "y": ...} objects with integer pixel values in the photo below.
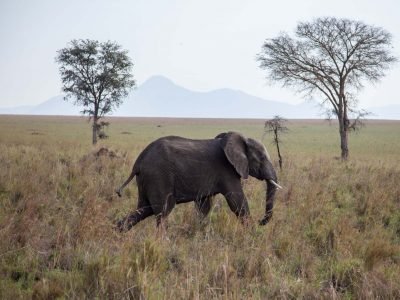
[
  {"x": 280, "y": 159},
  {"x": 94, "y": 131},
  {"x": 344, "y": 143},
  {"x": 95, "y": 120},
  {"x": 279, "y": 154},
  {"x": 343, "y": 123},
  {"x": 343, "y": 130}
]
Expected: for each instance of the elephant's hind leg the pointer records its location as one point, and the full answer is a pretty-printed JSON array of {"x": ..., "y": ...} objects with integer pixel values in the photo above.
[
  {"x": 162, "y": 213},
  {"x": 138, "y": 215}
]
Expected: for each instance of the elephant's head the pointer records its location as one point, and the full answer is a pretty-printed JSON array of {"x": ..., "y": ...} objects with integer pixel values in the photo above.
[{"x": 250, "y": 157}]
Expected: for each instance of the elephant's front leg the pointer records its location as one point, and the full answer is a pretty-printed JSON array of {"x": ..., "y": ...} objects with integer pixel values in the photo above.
[
  {"x": 203, "y": 206},
  {"x": 238, "y": 204}
]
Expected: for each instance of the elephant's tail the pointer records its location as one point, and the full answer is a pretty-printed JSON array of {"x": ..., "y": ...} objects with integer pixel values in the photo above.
[{"x": 133, "y": 174}]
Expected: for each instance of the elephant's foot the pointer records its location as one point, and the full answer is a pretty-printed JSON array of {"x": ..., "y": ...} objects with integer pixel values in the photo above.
[
  {"x": 162, "y": 226},
  {"x": 266, "y": 218},
  {"x": 122, "y": 226}
]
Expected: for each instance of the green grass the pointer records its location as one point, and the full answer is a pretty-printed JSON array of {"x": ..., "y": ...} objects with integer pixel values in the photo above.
[{"x": 335, "y": 232}]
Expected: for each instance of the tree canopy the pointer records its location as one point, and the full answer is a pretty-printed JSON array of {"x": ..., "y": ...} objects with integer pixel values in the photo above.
[
  {"x": 331, "y": 57},
  {"x": 96, "y": 75}
]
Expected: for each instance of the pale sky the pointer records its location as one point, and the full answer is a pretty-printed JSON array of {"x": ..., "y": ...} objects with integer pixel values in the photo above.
[{"x": 201, "y": 45}]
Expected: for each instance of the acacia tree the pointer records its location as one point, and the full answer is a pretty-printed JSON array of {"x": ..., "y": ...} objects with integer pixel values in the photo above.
[
  {"x": 276, "y": 126},
  {"x": 331, "y": 57},
  {"x": 96, "y": 75}
]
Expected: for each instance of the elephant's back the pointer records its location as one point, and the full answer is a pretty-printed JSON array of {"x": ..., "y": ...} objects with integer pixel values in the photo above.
[{"x": 174, "y": 153}]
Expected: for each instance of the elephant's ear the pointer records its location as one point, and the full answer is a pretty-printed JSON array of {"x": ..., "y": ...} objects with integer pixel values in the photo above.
[{"x": 234, "y": 145}]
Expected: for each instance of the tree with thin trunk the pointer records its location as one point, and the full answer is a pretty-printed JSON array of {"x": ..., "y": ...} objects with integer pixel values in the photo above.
[
  {"x": 331, "y": 57},
  {"x": 276, "y": 126},
  {"x": 97, "y": 76}
]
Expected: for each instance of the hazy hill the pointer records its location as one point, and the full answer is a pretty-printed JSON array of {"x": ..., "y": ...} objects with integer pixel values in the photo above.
[
  {"x": 160, "y": 97},
  {"x": 56, "y": 106}
]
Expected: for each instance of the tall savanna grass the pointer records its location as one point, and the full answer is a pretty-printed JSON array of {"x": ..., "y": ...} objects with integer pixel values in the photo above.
[{"x": 335, "y": 232}]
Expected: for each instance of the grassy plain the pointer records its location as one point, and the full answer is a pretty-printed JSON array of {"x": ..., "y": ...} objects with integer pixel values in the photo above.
[{"x": 335, "y": 232}]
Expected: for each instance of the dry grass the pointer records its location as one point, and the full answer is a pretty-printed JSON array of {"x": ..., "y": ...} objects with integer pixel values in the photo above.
[{"x": 335, "y": 232}]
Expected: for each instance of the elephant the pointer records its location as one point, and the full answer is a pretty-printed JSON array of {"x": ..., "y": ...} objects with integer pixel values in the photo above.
[{"x": 173, "y": 170}]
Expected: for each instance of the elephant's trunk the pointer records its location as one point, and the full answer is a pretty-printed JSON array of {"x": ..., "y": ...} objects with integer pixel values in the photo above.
[
  {"x": 271, "y": 190},
  {"x": 272, "y": 186}
]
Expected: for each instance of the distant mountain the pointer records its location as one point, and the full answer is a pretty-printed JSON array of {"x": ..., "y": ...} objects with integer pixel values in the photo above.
[
  {"x": 56, "y": 106},
  {"x": 160, "y": 97}
]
